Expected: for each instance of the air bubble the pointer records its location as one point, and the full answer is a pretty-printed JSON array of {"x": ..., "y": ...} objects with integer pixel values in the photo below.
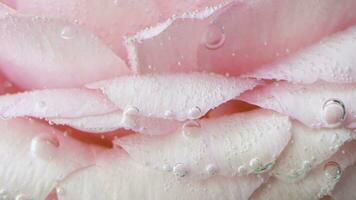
[
  {"x": 180, "y": 170},
  {"x": 44, "y": 147},
  {"x": 334, "y": 112},
  {"x": 211, "y": 170},
  {"x": 332, "y": 170},
  {"x": 67, "y": 33},
  {"x": 194, "y": 112},
  {"x": 189, "y": 127},
  {"x": 242, "y": 170},
  {"x": 214, "y": 37}
]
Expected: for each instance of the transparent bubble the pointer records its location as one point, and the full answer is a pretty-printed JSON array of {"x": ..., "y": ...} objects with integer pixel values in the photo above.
[
  {"x": 214, "y": 37},
  {"x": 332, "y": 170}
]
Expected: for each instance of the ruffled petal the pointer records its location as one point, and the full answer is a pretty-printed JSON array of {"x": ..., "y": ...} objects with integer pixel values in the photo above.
[
  {"x": 307, "y": 149},
  {"x": 317, "y": 105},
  {"x": 317, "y": 184},
  {"x": 69, "y": 103},
  {"x": 34, "y": 157},
  {"x": 238, "y": 37},
  {"x": 331, "y": 60},
  {"x": 233, "y": 145},
  {"x": 176, "y": 96},
  {"x": 116, "y": 176},
  {"x": 47, "y": 53}
]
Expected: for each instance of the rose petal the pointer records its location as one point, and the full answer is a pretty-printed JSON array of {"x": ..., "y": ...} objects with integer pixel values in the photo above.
[
  {"x": 5, "y": 10},
  {"x": 178, "y": 96},
  {"x": 230, "y": 107},
  {"x": 308, "y": 148},
  {"x": 317, "y": 184},
  {"x": 116, "y": 176},
  {"x": 331, "y": 60},
  {"x": 118, "y": 120},
  {"x": 345, "y": 188},
  {"x": 223, "y": 146},
  {"x": 308, "y": 103},
  {"x": 55, "y": 103},
  {"x": 34, "y": 157},
  {"x": 46, "y": 53},
  {"x": 238, "y": 38}
]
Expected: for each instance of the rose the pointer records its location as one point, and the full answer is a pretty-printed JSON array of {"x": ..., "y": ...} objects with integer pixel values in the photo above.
[{"x": 196, "y": 141}]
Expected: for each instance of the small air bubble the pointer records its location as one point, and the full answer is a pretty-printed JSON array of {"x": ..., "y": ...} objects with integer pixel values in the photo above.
[
  {"x": 334, "y": 112},
  {"x": 44, "y": 147},
  {"x": 211, "y": 170},
  {"x": 189, "y": 127},
  {"x": 67, "y": 33},
  {"x": 332, "y": 170},
  {"x": 180, "y": 170},
  {"x": 242, "y": 170},
  {"x": 214, "y": 37},
  {"x": 60, "y": 191},
  {"x": 194, "y": 112}
]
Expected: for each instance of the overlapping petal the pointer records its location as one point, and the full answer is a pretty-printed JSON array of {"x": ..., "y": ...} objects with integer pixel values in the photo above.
[
  {"x": 317, "y": 105},
  {"x": 345, "y": 188},
  {"x": 331, "y": 60},
  {"x": 35, "y": 157},
  {"x": 238, "y": 37},
  {"x": 119, "y": 177},
  {"x": 38, "y": 52},
  {"x": 233, "y": 145},
  {"x": 320, "y": 182},
  {"x": 176, "y": 96}
]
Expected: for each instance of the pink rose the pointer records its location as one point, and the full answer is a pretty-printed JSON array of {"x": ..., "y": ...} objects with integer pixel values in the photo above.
[{"x": 178, "y": 99}]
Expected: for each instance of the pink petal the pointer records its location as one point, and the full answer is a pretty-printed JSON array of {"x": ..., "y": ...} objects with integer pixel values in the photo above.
[
  {"x": 229, "y": 108},
  {"x": 110, "y": 20},
  {"x": 317, "y": 184},
  {"x": 5, "y": 10},
  {"x": 118, "y": 120},
  {"x": 34, "y": 157},
  {"x": 331, "y": 60},
  {"x": 233, "y": 145},
  {"x": 178, "y": 96},
  {"x": 46, "y": 53},
  {"x": 55, "y": 103},
  {"x": 345, "y": 188},
  {"x": 318, "y": 105},
  {"x": 237, "y": 38},
  {"x": 308, "y": 149},
  {"x": 116, "y": 176}
]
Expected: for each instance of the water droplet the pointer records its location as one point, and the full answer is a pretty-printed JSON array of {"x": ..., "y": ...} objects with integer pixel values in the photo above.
[
  {"x": 242, "y": 170},
  {"x": 166, "y": 168},
  {"x": 334, "y": 112},
  {"x": 255, "y": 163},
  {"x": 214, "y": 37},
  {"x": 189, "y": 127},
  {"x": 128, "y": 117},
  {"x": 131, "y": 110},
  {"x": 22, "y": 197},
  {"x": 67, "y": 33},
  {"x": 211, "y": 170},
  {"x": 180, "y": 170},
  {"x": 44, "y": 147},
  {"x": 194, "y": 112},
  {"x": 332, "y": 170}
]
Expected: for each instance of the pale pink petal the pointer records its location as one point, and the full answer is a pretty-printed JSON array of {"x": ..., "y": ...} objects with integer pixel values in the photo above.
[
  {"x": 237, "y": 38},
  {"x": 116, "y": 176},
  {"x": 120, "y": 120},
  {"x": 178, "y": 96},
  {"x": 345, "y": 188},
  {"x": 5, "y": 10},
  {"x": 47, "y": 53},
  {"x": 317, "y": 184},
  {"x": 307, "y": 149},
  {"x": 233, "y": 145},
  {"x": 34, "y": 157},
  {"x": 110, "y": 20},
  {"x": 317, "y": 105},
  {"x": 331, "y": 60},
  {"x": 55, "y": 103}
]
